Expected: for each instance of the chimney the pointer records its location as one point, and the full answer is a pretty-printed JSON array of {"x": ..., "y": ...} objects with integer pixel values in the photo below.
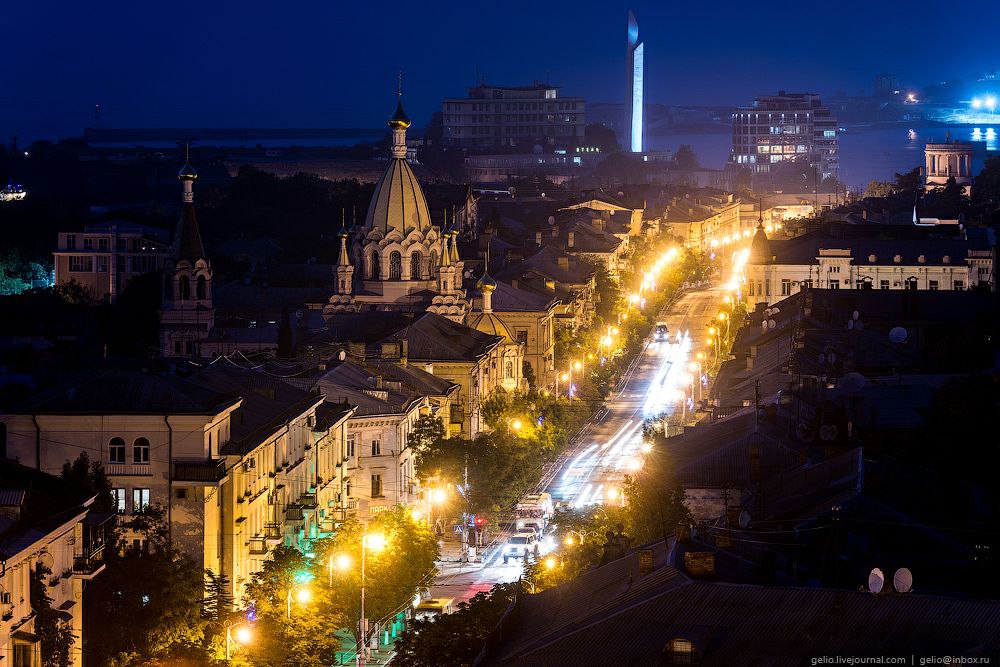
[
  {"x": 538, "y": 238},
  {"x": 570, "y": 239},
  {"x": 378, "y": 382},
  {"x": 404, "y": 351},
  {"x": 563, "y": 262},
  {"x": 513, "y": 283}
]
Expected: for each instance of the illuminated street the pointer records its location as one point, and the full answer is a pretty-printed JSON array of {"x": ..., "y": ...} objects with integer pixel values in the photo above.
[{"x": 593, "y": 471}]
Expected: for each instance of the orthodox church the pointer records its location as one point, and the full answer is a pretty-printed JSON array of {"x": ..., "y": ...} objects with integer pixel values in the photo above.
[{"x": 399, "y": 259}]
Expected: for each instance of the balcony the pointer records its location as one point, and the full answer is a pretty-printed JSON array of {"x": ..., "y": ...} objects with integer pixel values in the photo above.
[
  {"x": 88, "y": 555},
  {"x": 87, "y": 568},
  {"x": 212, "y": 471},
  {"x": 308, "y": 501},
  {"x": 272, "y": 533},
  {"x": 258, "y": 546},
  {"x": 127, "y": 470},
  {"x": 294, "y": 513}
]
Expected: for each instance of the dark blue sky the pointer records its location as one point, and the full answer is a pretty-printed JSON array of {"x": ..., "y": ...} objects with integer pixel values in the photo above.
[{"x": 334, "y": 63}]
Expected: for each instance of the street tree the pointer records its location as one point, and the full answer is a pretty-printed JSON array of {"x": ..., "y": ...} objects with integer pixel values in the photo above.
[
  {"x": 54, "y": 636},
  {"x": 456, "y": 638}
]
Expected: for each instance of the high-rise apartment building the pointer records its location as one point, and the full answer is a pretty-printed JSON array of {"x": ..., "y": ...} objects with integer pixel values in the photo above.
[
  {"x": 786, "y": 127},
  {"x": 494, "y": 116},
  {"x": 633, "y": 95}
]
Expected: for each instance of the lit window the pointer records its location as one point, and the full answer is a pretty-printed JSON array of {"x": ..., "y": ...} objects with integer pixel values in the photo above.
[
  {"x": 140, "y": 500},
  {"x": 118, "y": 500}
]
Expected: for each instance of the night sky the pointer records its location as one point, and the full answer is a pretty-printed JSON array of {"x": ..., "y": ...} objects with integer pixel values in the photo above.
[{"x": 306, "y": 64}]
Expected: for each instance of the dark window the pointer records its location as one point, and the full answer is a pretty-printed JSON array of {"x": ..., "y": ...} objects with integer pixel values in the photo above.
[
  {"x": 202, "y": 288},
  {"x": 395, "y": 266},
  {"x": 374, "y": 267},
  {"x": 376, "y": 486},
  {"x": 116, "y": 450},
  {"x": 140, "y": 451},
  {"x": 376, "y": 448},
  {"x": 184, "y": 288},
  {"x": 415, "y": 261},
  {"x": 350, "y": 447}
]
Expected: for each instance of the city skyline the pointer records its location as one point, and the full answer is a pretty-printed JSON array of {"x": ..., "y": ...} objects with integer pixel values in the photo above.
[{"x": 255, "y": 69}]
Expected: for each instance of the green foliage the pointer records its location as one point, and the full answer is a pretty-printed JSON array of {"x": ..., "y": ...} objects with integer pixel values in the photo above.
[
  {"x": 158, "y": 589},
  {"x": 586, "y": 529},
  {"x": 879, "y": 189},
  {"x": 609, "y": 294},
  {"x": 427, "y": 430},
  {"x": 493, "y": 408},
  {"x": 55, "y": 637},
  {"x": 909, "y": 181},
  {"x": 654, "y": 496},
  {"x": 987, "y": 184},
  {"x": 604, "y": 138},
  {"x": 685, "y": 158},
  {"x": 457, "y": 638},
  {"x": 529, "y": 374},
  {"x": 290, "y": 630},
  {"x": 84, "y": 478},
  {"x": 218, "y": 602}
]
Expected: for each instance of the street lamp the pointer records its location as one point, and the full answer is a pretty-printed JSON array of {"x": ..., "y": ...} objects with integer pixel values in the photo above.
[
  {"x": 340, "y": 562},
  {"x": 375, "y": 542},
  {"x": 244, "y": 635},
  {"x": 302, "y": 595},
  {"x": 562, "y": 377}
]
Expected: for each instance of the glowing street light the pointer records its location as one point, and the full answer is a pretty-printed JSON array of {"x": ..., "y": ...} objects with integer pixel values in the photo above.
[
  {"x": 550, "y": 563},
  {"x": 711, "y": 331},
  {"x": 516, "y": 425},
  {"x": 977, "y": 103},
  {"x": 240, "y": 634},
  {"x": 990, "y": 102},
  {"x": 577, "y": 365},
  {"x": 722, "y": 317}
]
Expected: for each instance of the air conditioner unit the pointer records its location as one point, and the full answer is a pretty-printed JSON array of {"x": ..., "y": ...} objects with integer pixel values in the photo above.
[
  {"x": 250, "y": 464},
  {"x": 5, "y": 597}
]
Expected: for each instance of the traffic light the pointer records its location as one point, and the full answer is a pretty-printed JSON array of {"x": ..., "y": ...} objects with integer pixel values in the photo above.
[{"x": 480, "y": 521}]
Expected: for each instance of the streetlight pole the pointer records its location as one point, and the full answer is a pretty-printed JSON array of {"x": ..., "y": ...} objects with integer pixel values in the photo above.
[{"x": 362, "y": 635}]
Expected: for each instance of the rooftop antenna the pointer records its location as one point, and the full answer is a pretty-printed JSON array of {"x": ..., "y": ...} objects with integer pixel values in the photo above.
[
  {"x": 399, "y": 86},
  {"x": 97, "y": 115},
  {"x": 876, "y": 581}
]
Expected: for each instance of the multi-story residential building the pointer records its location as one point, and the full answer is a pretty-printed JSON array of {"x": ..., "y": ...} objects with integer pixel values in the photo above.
[
  {"x": 551, "y": 272},
  {"x": 778, "y": 269},
  {"x": 707, "y": 221},
  {"x": 234, "y": 457},
  {"x": 560, "y": 166},
  {"x": 530, "y": 317},
  {"x": 45, "y": 530},
  {"x": 494, "y": 116},
  {"x": 106, "y": 256},
  {"x": 786, "y": 127},
  {"x": 480, "y": 363}
]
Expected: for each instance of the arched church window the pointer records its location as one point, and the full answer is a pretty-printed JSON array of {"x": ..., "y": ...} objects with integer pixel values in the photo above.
[
  {"x": 395, "y": 266},
  {"x": 184, "y": 288},
  {"x": 509, "y": 370},
  {"x": 415, "y": 260},
  {"x": 201, "y": 290},
  {"x": 433, "y": 264},
  {"x": 374, "y": 266}
]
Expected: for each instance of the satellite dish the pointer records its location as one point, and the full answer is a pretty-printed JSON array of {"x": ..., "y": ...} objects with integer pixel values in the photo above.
[
  {"x": 771, "y": 324},
  {"x": 855, "y": 315},
  {"x": 763, "y": 325},
  {"x": 876, "y": 580},
  {"x": 552, "y": 219},
  {"x": 745, "y": 520},
  {"x": 775, "y": 310},
  {"x": 898, "y": 335},
  {"x": 342, "y": 356},
  {"x": 902, "y": 581},
  {"x": 850, "y": 324}
]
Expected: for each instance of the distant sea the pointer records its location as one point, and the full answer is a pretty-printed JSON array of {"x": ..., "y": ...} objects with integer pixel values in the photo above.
[{"x": 866, "y": 152}]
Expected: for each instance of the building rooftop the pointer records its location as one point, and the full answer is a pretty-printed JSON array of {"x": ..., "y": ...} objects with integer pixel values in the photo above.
[{"x": 614, "y": 615}]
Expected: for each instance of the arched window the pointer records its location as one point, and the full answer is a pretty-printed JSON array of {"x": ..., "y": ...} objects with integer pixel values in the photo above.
[
  {"x": 201, "y": 290},
  {"x": 116, "y": 450},
  {"x": 140, "y": 451},
  {"x": 415, "y": 260},
  {"x": 509, "y": 370},
  {"x": 374, "y": 267},
  {"x": 395, "y": 266},
  {"x": 433, "y": 264},
  {"x": 184, "y": 288}
]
